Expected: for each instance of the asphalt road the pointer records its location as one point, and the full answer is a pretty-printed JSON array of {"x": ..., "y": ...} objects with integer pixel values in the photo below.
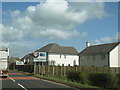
[{"x": 20, "y": 81}]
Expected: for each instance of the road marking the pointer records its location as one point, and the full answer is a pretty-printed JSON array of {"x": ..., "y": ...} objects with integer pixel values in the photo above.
[
  {"x": 18, "y": 84},
  {"x": 16, "y": 74},
  {"x": 24, "y": 78},
  {"x": 12, "y": 79},
  {"x": 55, "y": 82},
  {"x": 22, "y": 86}
]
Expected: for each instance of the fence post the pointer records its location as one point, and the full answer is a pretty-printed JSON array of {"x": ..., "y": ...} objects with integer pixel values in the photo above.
[
  {"x": 39, "y": 68},
  {"x": 48, "y": 69},
  {"x": 53, "y": 70},
  {"x": 34, "y": 67},
  {"x": 118, "y": 69},
  {"x": 76, "y": 68},
  {"x": 64, "y": 70},
  {"x": 68, "y": 67}
]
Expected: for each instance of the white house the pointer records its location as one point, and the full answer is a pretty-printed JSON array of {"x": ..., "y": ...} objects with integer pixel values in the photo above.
[
  {"x": 59, "y": 55},
  {"x": 101, "y": 55},
  {"x": 55, "y": 54}
]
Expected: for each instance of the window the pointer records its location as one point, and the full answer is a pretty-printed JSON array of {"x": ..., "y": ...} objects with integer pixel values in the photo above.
[
  {"x": 74, "y": 62},
  {"x": 87, "y": 57},
  {"x": 64, "y": 56},
  {"x": 52, "y": 62},
  {"x": 93, "y": 57},
  {"x": 102, "y": 56},
  {"x": 82, "y": 57},
  {"x": 60, "y": 56}
]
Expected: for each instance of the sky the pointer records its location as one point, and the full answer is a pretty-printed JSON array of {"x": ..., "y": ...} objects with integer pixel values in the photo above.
[{"x": 27, "y": 26}]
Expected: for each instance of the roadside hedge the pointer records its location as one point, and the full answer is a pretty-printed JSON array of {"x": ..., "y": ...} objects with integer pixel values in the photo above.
[
  {"x": 76, "y": 76},
  {"x": 104, "y": 80},
  {"x": 118, "y": 76}
]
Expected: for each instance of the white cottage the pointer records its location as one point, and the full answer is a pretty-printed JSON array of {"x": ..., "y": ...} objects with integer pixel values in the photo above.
[
  {"x": 101, "y": 55},
  {"x": 59, "y": 55}
]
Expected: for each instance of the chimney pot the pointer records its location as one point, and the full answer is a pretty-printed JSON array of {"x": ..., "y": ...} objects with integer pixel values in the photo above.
[{"x": 87, "y": 44}]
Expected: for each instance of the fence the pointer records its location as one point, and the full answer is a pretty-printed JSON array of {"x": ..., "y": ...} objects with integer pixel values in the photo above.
[{"x": 62, "y": 70}]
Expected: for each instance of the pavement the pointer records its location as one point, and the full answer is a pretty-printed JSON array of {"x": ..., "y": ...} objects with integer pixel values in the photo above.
[{"x": 20, "y": 81}]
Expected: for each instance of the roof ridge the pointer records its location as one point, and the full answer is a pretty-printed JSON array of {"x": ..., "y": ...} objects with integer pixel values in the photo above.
[
  {"x": 102, "y": 48},
  {"x": 105, "y": 44}
]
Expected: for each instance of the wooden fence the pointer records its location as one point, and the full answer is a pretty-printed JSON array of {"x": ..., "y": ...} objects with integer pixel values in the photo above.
[{"x": 62, "y": 70}]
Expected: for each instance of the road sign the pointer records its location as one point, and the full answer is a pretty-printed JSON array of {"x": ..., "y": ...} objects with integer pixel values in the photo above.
[{"x": 39, "y": 56}]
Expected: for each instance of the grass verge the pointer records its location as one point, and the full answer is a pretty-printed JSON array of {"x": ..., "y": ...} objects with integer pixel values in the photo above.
[{"x": 62, "y": 80}]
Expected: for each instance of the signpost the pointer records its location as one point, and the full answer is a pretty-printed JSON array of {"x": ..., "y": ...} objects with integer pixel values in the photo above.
[{"x": 39, "y": 57}]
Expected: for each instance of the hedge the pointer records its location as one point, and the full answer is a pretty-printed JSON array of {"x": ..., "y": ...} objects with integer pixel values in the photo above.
[
  {"x": 104, "y": 80},
  {"x": 76, "y": 76}
]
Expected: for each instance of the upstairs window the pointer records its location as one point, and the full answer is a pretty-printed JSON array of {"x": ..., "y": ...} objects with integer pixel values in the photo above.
[
  {"x": 88, "y": 57},
  {"x": 64, "y": 56},
  {"x": 102, "y": 56},
  {"x": 93, "y": 57},
  {"x": 82, "y": 57}
]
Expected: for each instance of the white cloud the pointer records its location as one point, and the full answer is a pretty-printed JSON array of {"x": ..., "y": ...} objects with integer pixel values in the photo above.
[
  {"x": 107, "y": 39},
  {"x": 50, "y": 19},
  {"x": 58, "y": 34},
  {"x": 10, "y": 33},
  {"x": 56, "y": 19},
  {"x": 15, "y": 13},
  {"x": 18, "y": 49}
]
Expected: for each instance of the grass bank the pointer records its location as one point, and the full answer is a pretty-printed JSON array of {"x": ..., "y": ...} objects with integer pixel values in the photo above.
[{"x": 62, "y": 80}]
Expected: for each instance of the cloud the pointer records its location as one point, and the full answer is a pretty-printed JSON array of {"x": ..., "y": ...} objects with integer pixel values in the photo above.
[
  {"x": 18, "y": 49},
  {"x": 107, "y": 39},
  {"x": 56, "y": 19},
  {"x": 10, "y": 33},
  {"x": 15, "y": 13},
  {"x": 51, "y": 19},
  {"x": 58, "y": 34}
]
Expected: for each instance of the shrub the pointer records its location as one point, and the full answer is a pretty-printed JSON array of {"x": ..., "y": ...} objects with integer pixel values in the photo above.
[
  {"x": 118, "y": 76},
  {"x": 76, "y": 76},
  {"x": 104, "y": 80}
]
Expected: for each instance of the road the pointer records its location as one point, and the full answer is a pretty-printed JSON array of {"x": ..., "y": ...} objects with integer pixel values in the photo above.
[{"x": 23, "y": 82}]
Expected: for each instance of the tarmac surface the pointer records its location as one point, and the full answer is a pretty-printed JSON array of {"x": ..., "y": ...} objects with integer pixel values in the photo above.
[{"x": 20, "y": 81}]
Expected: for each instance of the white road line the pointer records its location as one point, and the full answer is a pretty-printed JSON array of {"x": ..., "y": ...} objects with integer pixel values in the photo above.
[
  {"x": 12, "y": 79},
  {"x": 55, "y": 83},
  {"x": 22, "y": 86},
  {"x": 19, "y": 84}
]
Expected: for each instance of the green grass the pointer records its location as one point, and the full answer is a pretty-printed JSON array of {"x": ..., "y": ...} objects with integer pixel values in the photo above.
[{"x": 61, "y": 79}]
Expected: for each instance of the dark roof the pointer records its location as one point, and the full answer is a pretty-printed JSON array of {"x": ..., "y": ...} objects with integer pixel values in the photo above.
[
  {"x": 27, "y": 56},
  {"x": 103, "y": 48},
  {"x": 55, "y": 48}
]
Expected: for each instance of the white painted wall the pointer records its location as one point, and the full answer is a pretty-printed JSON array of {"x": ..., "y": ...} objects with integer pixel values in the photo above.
[
  {"x": 3, "y": 60},
  {"x": 115, "y": 57},
  {"x": 68, "y": 60}
]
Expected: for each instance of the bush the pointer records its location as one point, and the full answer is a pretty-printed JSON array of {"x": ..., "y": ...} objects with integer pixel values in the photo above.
[
  {"x": 104, "y": 80},
  {"x": 76, "y": 76},
  {"x": 118, "y": 76}
]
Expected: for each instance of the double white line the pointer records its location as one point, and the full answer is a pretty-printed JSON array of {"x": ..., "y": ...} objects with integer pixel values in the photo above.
[{"x": 19, "y": 84}]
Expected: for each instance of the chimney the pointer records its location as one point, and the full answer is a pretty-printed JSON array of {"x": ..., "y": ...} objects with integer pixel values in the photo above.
[{"x": 87, "y": 44}]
